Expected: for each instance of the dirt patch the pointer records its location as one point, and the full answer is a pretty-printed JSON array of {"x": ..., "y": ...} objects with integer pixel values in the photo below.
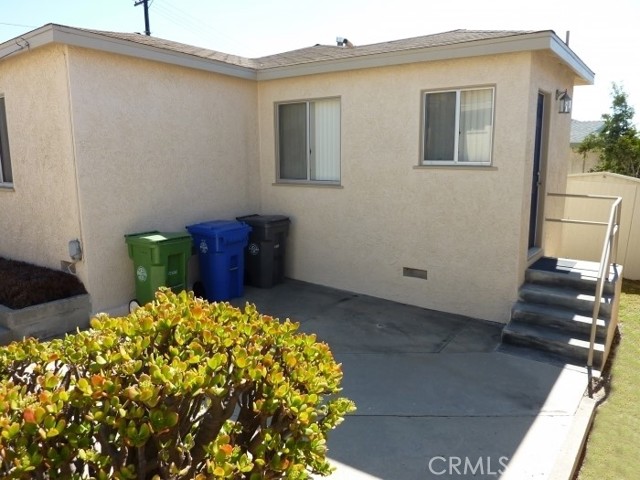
[{"x": 23, "y": 284}]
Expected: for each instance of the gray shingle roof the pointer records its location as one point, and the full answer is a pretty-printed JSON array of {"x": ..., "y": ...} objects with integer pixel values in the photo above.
[
  {"x": 311, "y": 60},
  {"x": 177, "y": 47},
  {"x": 318, "y": 53},
  {"x": 333, "y": 52},
  {"x": 580, "y": 129}
]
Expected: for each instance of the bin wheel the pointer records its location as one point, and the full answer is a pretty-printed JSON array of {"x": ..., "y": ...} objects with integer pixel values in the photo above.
[
  {"x": 133, "y": 305},
  {"x": 198, "y": 289}
]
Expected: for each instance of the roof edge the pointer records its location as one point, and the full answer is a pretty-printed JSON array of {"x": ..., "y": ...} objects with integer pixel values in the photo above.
[
  {"x": 32, "y": 39},
  {"x": 584, "y": 74},
  {"x": 53, "y": 33},
  {"x": 541, "y": 40}
]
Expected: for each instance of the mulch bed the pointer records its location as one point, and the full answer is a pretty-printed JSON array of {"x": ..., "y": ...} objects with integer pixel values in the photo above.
[{"x": 23, "y": 284}]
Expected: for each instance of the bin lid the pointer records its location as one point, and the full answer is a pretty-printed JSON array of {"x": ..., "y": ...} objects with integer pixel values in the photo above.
[
  {"x": 264, "y": 220},
  {"x": 216, "y": 228},
  {"x": 156, "y": 237}
]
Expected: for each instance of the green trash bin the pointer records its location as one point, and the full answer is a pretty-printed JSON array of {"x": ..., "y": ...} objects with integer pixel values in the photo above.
[{"x": 159, "y": 259}]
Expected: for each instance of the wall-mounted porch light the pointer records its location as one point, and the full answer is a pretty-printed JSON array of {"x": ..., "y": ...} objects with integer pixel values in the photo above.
[{"x": 564, "y": 101}]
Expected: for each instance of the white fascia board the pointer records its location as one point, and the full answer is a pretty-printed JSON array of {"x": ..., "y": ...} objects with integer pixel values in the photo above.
[
  {"x": 584, "y": 75},
  {"x": 545, "y": 40},
  {"x": 33, "y": 39},
  {"x": 80, "y": 38},
  {"x": 536, "y": 41}
]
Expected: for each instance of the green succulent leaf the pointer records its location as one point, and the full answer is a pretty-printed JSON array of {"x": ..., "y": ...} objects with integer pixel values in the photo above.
[{"x": 154, "y": 390}]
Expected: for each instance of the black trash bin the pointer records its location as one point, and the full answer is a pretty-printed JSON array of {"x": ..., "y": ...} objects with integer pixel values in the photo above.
[{"x": 265, "y": 253}]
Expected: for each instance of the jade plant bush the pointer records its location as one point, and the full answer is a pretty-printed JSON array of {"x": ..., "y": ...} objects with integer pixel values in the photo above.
[{"x": 180, "y": 388}]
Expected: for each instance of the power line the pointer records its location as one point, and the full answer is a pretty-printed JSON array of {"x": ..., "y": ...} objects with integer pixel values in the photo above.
[
  {"x": 184, "y": 20},
  {"x": 179, "y": 20},
  {"x": 172, "y": 10},
  {"x": 18, "y": 25}
]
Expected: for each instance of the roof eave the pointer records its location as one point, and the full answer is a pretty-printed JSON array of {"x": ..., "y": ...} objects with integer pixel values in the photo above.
[
  {"x": 545, "y": 40},
  {"x": 81, "y": 38},
  {"x": 583, "y": 74},
  {"x": 33, "y": 39}
]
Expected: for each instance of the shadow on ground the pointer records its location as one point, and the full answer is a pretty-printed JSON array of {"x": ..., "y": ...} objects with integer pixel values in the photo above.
[{"x": 435, "y": 399}]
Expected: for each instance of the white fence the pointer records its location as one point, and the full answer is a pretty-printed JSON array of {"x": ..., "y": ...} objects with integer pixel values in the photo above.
[{"x": 585, "y": 242}]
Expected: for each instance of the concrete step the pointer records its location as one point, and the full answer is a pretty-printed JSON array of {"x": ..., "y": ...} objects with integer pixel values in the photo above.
[
  {"x": 557, "y": 317},
  {"x": 573, "y": 347},
  {"x": 576, "y": 300},
  {"x": 543, "y": 356},
  {"x": 576, "y": 274}
]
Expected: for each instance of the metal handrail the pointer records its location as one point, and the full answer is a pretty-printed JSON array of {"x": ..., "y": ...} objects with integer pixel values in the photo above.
[
  {"x": 609, "y": 250},
  {"x": 607, "y": 259},
  {"x": 579, "y": 222},
  {"x": 583, "y": 195}
]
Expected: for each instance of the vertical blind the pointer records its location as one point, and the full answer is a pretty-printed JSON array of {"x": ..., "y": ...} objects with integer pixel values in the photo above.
[
  {"x": 475, "y": 125},
  {"x": 325, "y": 157}
]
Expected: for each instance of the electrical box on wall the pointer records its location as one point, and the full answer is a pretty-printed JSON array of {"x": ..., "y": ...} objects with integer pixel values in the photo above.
[{"x": 75, "y": 250}]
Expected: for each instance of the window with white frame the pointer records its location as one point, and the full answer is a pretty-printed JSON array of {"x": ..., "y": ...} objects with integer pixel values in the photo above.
[
  {"x": 308, "y": 141},
  {"x": 458, "y": 127},
  {"x": 6, "y": 175}
]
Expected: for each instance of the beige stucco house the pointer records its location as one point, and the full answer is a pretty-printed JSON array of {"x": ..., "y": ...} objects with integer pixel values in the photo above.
[{"x": 406, "y": 167}]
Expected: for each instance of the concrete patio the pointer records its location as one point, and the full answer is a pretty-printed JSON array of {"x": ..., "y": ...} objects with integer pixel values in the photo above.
[{"x": 436, "y": 397}]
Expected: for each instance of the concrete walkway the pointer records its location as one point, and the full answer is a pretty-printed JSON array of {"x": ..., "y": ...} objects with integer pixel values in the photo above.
[{"x": 435, "y": 399}]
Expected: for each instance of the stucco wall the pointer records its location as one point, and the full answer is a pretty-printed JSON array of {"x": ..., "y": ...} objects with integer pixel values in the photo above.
[
  {"x": 461, "y": 225},
  {"x": 158, "y": 147},
  {"x": 547, "y": 76},
  {"x": 39, "y": 215}
]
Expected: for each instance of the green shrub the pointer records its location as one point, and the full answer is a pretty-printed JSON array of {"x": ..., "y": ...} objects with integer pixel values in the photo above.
[{"x": 180, "y": 388}]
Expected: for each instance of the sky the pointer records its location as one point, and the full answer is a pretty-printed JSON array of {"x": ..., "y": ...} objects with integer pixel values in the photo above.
[{"x": 604, "y": 34}]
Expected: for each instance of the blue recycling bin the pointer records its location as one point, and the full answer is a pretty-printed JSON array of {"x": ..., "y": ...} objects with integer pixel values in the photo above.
[{"x": 220, "y": 245}]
